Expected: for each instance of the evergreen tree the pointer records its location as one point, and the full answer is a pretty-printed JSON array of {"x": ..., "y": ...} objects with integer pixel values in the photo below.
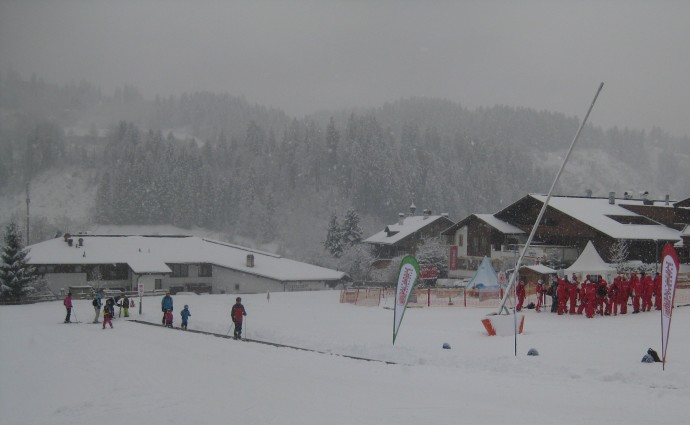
[
  {"x": 334, "y": 239},
  {"x": 351, "y": 233},
  {"x": 15, "y": 274}
]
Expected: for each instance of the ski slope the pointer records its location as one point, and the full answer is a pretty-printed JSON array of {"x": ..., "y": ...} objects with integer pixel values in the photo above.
[{"x": 588, "y": 371}]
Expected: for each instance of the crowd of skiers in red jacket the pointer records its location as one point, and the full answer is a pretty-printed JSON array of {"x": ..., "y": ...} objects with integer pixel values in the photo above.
[{"x": 596, "y": 296}]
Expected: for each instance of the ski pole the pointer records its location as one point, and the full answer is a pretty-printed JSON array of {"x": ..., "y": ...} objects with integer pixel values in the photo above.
[
  {"x": 74, "y": 312},
  {"x": 228, "y": 332}
]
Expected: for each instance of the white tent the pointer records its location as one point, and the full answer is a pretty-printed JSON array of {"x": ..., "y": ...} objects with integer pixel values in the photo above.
[
  {"x": 590, "y": 262},
  {"x": 485, "y": 278}
]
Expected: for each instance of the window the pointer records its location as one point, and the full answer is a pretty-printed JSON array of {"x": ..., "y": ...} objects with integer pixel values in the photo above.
[
  {"x": 179, "y": 270},
  {"x": 237, "y": 287},
  {"x": 159, "y": 283},
  {"x": 205, "y": 270}
]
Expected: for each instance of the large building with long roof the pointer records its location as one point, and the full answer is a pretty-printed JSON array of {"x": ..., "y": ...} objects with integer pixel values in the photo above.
[{"x": 178, "y": 263}]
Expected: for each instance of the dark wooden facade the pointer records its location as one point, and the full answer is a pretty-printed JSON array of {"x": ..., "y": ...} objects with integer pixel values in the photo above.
[{"x": 558, "y": 228}]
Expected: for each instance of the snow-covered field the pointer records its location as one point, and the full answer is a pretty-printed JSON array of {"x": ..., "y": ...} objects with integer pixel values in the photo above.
[{"x": 588, "y": 371}]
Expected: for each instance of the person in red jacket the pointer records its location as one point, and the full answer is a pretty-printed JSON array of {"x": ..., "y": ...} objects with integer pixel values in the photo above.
[
  {"x": 583, "y": 295},
  {"x": 520, "y": 293},
  {"x": 624, "y": 294},
  {"x": 573, "y": 290},
  {"x": 237, "y": 314},
  {"x": 602, "y": 295},
  {"x": 540, "y": 295},
  {"x": 635, "y": 292},
  {"x": 591, "y": 298},
  {"x": 563, "y": 294},
  {"x": 647, "y": 291},
  {"x": 614, "y": 294},
  {"x": 657, "y": 291}
]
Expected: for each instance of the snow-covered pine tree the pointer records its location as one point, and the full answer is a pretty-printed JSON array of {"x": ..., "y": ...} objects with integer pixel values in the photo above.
[
  {"x": 15, "y": 275},
  {"x": 351, "y": 233},
  {"x": 334, "y": 239}
]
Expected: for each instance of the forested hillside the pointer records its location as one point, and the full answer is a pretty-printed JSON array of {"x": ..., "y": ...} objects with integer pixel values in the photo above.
[{"x": 251, "y": 172}]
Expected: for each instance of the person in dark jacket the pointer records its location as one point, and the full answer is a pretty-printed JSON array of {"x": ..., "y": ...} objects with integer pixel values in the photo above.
[
  {"x": 97, "y": 305},
  {"x": 237, "y": 313},
  {"x": 554, "y": 295},
  {"x": 166, "y": 304},
  {"x": 185, "y": 316}
]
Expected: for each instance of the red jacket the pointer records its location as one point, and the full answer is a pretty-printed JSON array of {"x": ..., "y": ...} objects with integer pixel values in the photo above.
[
  {"x": 237, "y": 312},
  {"x": 68, "y": 301}
]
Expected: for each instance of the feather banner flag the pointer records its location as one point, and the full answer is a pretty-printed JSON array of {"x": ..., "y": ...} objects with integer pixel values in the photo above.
[
  {"x": 669, "y": 275},
  {"x": 409, "y": 271}
]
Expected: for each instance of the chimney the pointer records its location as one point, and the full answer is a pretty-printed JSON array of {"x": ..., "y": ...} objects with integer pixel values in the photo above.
[
  {"x": 588, "y": 193},
  {"x": 401, "y": 218},
  {"x": 413, "y": 208},
  {"x": 668, "y": 199},
  {"x": 612, "y": 198},
  {"x": 250, "y": 260}
]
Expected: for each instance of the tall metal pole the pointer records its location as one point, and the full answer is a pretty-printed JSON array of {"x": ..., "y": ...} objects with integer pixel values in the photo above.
[
  {"x": 546, "y": 203},
  {"x": 27, "y": 214}
]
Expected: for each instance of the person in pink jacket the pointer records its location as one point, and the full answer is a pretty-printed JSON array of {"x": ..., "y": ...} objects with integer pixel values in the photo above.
[
  {"x": 521, "y": 293},
  {"x": 68, "y": 305}
]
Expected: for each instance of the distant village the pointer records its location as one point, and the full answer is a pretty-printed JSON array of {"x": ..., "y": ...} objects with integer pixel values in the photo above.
[{"x": 626, "y": 230}]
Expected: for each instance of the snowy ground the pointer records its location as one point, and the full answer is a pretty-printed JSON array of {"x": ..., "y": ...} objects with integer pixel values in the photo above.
[{"x": 588, "y": 371}]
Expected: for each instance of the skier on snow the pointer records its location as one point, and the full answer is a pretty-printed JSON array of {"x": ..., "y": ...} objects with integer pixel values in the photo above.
[
  {"x": 166, "y": 304},
  {"x": 237, "y": 314}
]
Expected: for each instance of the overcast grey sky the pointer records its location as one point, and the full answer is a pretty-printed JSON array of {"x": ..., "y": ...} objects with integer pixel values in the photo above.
[{"x": 302, "y": 56}]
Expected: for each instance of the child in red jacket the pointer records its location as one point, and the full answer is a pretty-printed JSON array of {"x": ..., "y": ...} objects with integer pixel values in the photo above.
[
  {"x": 107, "y": 316},
  {"x": 168, "y": 319}
]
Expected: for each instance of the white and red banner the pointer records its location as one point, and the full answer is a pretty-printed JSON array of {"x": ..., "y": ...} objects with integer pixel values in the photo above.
[
  {"x": 409, "y": 272},
  {"x": 669, "y": 275}
]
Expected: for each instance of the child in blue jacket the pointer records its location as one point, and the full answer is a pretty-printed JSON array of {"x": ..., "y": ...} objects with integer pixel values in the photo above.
[{"x": 185, "y": 315}]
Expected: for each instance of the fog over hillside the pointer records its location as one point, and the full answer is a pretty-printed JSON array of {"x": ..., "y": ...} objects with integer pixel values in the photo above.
[{"x": 257, "y": 122}]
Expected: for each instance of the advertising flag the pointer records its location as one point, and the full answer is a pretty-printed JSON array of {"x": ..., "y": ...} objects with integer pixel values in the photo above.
[
  {"x": 669, "y": 275},
  {"x": 409, "y": 272}
]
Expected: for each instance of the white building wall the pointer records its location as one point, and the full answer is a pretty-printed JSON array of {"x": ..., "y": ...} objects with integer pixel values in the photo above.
[{"x": 236, "y": 282}]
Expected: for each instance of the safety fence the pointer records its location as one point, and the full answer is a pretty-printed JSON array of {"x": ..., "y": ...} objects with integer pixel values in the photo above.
[{"x": 460, "y": 297}]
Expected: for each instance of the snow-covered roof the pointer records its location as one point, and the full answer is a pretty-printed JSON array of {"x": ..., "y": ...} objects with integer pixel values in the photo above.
[
  {"x": 540, "y": 268},
  {"x": 597, "y": 213},
  {"x": 396, "y": 232},
  {"x": 500, "y": 225},
  {"x": 149, "y": 254}
]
